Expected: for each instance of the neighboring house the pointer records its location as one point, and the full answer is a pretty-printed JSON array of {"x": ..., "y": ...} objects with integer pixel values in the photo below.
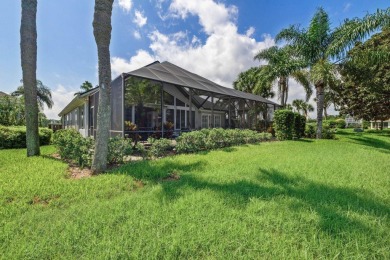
[
  {"x": 165, "y": 93},
  {"x": 352, "y": 122},
  {"x": 54, "y": 125},
  {"x": 377, "y": 124},
  {"x": 2, "y": 94}
]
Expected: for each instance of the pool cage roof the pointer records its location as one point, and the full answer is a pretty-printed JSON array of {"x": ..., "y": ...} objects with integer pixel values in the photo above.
[
  {"x": 170, "y": 73},
  {"x": 167, "y": 72}
]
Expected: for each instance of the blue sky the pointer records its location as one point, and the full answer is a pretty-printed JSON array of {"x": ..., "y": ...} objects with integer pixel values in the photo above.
[{"x": 216, "y": 39}]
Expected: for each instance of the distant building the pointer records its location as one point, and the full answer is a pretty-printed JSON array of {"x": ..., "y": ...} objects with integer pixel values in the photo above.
[
  {"x": 377, "y": 124},
  {"x": 2, "y": 94},
  {"x": 353, "y": 122},
  {"x": 54, "y": 125}
]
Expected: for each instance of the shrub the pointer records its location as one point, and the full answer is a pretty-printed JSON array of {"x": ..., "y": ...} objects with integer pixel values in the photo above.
[
  {"x": 299, "y": 126},
  {"x": 140, "y": 150},
  {"x": 15, "y": 136},
  {"x": 207, "y": 139},
  {"x": 310, "y": 131},
  {"x": 327, "y": 132},
  {"x": 284, "y": 121},
  {"x": 159, "y": 147},
  {"x": 71, "y": 145},
  {"x": 340, "y": 123},
  {"x": 118, "y": 148}
]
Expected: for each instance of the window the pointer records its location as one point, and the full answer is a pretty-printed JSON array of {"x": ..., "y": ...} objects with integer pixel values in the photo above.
[
  {"x": 205, "y": 121},
  {"x": 217, "y": 120},
  {"x": 169, "y": 116},
  {"x": 81, "y": 111}
]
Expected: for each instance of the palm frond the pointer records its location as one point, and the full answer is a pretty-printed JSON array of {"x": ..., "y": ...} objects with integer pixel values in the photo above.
[
  {"x": 302, "y": 77},
  {"x": 357, "y": 29}
]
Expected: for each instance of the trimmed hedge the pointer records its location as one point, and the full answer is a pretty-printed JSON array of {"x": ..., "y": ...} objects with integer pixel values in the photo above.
[
  {"x": 207, "y": 139},
  {"x": 289, "y": 125},
  {"x": 15, "y": 136},
  {"x": 284, "y": 124}
]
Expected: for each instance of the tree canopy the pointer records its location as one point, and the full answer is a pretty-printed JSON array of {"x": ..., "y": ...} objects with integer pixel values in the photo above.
[{"x": 365, "y": 91}]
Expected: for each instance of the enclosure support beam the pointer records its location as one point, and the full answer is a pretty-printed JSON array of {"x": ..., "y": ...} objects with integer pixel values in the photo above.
[
  {"x": 230, "y": 113},
  {"x": 162, "y": 110},
  {"x": 190, "y": 113},
  {"x": 212, "y": 110}
]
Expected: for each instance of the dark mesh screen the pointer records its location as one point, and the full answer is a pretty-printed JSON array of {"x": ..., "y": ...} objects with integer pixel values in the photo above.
[{"x": 116, "y": 104}]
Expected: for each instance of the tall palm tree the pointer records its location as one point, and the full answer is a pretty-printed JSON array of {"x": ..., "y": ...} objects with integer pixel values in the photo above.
[
  {"x": 283, "y": 64},
  {"x": 43, "y": 94},
  {"x": 28, "y": 48},
  {"x": 102, "y": 32},
  {"x": 318, "y": 44}
]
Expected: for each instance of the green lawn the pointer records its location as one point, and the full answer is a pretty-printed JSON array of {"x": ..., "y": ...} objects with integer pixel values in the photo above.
[{"x": 293, "y": 199}]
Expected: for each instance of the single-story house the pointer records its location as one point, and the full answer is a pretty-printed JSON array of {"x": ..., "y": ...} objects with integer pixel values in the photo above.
[
  {"x": 163, "y": 97},
  {"x": 377, "y": 124}
]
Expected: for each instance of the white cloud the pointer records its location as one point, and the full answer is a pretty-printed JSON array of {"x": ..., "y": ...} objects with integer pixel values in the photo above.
[
  {"x": 137, "y": 35},
  {"x": 221, "y": 57},
  {"x": 250, "y": 31},
  {"x": 61, "y": 97},
  {"x": 120, "y": 65},
  {"x": 125, "y": 5},
  {"x": 139, "y": 18}
]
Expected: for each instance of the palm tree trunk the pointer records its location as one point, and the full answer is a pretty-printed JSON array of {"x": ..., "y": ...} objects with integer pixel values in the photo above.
[
  {"x": 320, "y": 107},
  {"x": 283, "y": 91},
  {"x": 28, "y": 47},
  {"x": 286, "y": 90},
  {"x": 102, "y": 32},
  {"x": 325, "y": 113}
]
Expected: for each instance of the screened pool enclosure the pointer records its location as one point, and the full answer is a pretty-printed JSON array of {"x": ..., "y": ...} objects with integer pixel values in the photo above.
[{"x": 163, "y": 100}]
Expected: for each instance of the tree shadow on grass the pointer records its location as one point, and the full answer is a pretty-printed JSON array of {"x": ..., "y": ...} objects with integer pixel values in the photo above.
[
  {"x": 333, "y": 205},
  {"x": 378, "y": 144},
  {"x": 157, "y": 170}
]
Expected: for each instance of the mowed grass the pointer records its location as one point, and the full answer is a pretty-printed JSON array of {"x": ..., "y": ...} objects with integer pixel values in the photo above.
[{"x": 295, "y": 199}]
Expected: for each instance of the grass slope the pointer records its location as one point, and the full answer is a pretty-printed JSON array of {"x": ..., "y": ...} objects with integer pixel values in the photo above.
[{"x": 296, "y": 199}]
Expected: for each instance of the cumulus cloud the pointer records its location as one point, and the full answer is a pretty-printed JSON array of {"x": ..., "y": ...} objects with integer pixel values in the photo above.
[
  {"x": 125, "y": 4},
  {"x": 61, "y": 97},
  {"x": 224, "y": 53},
  {"x": 139, "y": 18},
  {"x": 120, "y": 65}
]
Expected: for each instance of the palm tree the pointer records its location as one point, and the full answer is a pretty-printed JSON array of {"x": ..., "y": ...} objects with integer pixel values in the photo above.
[
  {"x": 86, "y": 86},
  {"x": 28, "y": 49},
  {"x": 306, "y": 109},
  {"x": 298, "y": 104},
  {"x": 283, "y": 64},
  {"x": 43, "y": 94},
  {"x": 328, "y": 100},
  {"x": 318, "y": 44},
  {"x": 249, "y": 81},
  {"x": 301, "y": 105},
  {"x": 102, "y": 32}
]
